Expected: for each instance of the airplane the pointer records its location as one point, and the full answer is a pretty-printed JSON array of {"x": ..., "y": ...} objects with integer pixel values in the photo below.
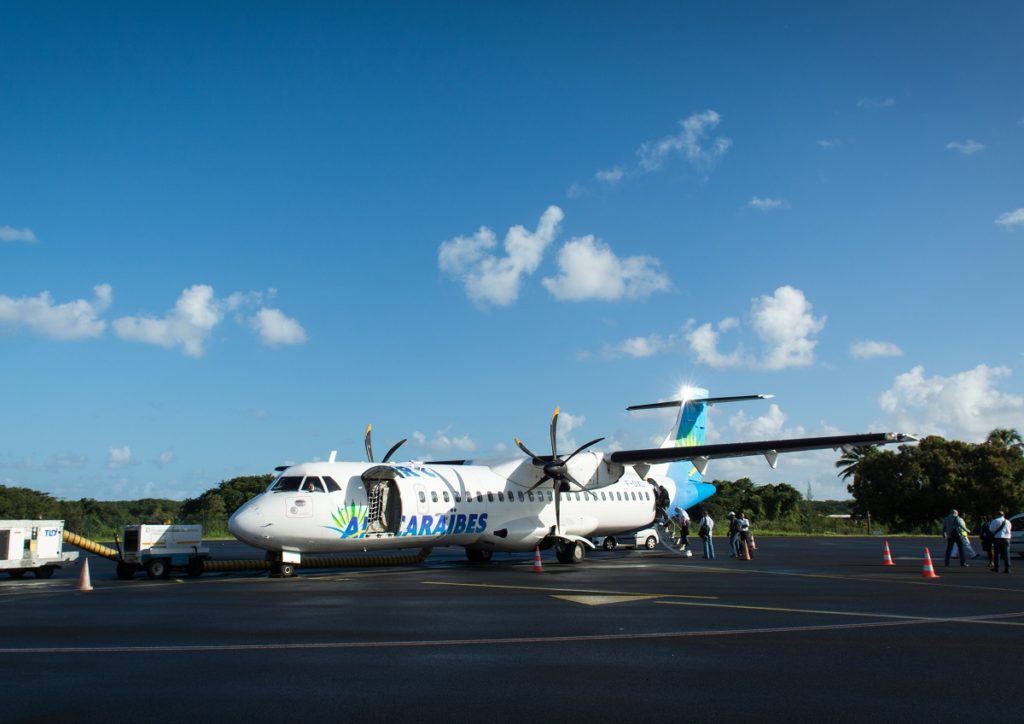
[{"x": 540, "y": 501}]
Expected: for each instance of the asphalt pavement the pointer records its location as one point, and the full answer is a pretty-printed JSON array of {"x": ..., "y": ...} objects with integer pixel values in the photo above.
[{"x": 812, "y": 629}]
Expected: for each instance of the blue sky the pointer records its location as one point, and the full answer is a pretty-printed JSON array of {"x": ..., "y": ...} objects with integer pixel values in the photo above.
[{"x": 233, "y": 234}]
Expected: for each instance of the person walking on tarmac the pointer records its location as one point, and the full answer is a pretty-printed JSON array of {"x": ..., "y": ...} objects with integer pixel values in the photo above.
[
  {"x": 1001, "y": 528},
  {"x": 734, "y": 535},
  {"x": 953, "y": 530},
  {"x": 707, "y": 524},
  {"x": 746, "y": 542},
  {"x": 985, "y": 533},
  {"x": 682, "y": 519}
]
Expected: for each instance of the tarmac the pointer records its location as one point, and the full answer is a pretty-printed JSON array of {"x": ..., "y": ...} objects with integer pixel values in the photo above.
[{"x": 812, "y": 629}]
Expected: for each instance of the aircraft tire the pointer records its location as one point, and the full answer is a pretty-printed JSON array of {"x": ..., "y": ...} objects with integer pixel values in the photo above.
[
  {"x": 570, "y": 552},
  {"x": 477, "y": 555}
]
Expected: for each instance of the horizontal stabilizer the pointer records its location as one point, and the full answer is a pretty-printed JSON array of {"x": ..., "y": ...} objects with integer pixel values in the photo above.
[
  {"x": 705, "y": 400},
  {"x": 769, "y": 448}
]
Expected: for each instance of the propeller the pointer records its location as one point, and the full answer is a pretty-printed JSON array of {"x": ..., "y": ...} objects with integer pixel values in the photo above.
[
  {"x": 369, "y": 447},
  {"x": 556, "y": 468}
]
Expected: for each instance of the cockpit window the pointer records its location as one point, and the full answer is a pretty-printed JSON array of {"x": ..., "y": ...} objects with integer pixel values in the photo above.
[
  {"x": 288, "y": 484},
  {"x": 312, "y": 485},
  {"x": 332, "y": 486}
]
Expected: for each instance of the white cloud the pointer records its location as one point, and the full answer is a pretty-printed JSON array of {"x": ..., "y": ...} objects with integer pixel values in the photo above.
[
  {"x": 767, "y": 204},
  {"x": 639, "y": 347},
  {"x": 567, "y": 422},
  {"x": 1011, "y": 219},
  {"x": 829, "y": 143},
  {"x": 275, "y": 328},
  {"x": 785, "y": 324},
  {"x": 119, "y": 457},
  {"x": 876, "y": 102},
  {"x": 8, "y": 233},
  {"x": 590, "y": 270},
  {"x": 189, "y": 324},
  {"x": 771, "y": 426},
  {"x": 967, "y": 148},
  {"x": 441, "y": 443},
  {"x": 704, "y": 344},
  {"x": 964, "y": 406},
  {"x": 72, "y": 320},
  {"x": 164, "y": 458},
  {"x": 691, "y": 142},
  {"x": 492, "y": 280},
  {"x": 610, "y": 176},
  {"x": 873, "y": 348}
]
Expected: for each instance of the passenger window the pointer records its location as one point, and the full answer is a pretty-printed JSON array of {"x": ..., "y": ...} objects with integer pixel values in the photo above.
[
  {"x": 332, "y": 486},
  {"x": 529, "y": 494},
  {"x": 490, "y": 496},
  {"x": 520, "y": 496},
  {"x": 458, "y": 497},
  {"x": 479, "y": 497},
  {"x": 550, "y": 498},
  {"x": 618, "y": 495},
  {"x": 602, "y": 495},
  {"x": 446, "y": 498},
  {"x": 287, "y": 485},
  {"x": 423, "y": 498},
  {"x": 501, "y": 497}
]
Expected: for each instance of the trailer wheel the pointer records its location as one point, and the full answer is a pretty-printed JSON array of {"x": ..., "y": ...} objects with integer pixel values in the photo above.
[
  {"x": 158, "y": 568},
  {"x": 44, "y": 572},
  {"x": 16, "y": 574},
  {"x": 125, "y": 571}
]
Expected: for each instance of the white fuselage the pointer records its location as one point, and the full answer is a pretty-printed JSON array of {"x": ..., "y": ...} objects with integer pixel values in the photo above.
[{"x": 361, "y": 506}]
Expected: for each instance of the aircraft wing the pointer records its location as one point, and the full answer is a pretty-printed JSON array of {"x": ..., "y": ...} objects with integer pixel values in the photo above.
[{"x": 699, "y": 455}]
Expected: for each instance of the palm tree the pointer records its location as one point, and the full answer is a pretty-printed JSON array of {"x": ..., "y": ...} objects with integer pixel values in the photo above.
[
  {"x": 1005, "y": 438},
  {"x": 850, "y": 460}
]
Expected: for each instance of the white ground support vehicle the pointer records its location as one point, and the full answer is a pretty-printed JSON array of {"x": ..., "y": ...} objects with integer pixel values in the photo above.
[
  {"x": 1017, "y": 534},
  {"x": 33, "y": 545},
  {"x": 157, "y": 549},
  {"x": 644, "y": 538}
]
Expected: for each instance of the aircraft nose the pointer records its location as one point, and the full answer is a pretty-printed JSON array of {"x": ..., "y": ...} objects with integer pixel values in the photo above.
[{"x": 246, "y": 522}]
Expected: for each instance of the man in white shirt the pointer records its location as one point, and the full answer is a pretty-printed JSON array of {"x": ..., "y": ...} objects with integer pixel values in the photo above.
[
  {"x": 707, "y": 525},
  {"x": 1001, "y": 529}
]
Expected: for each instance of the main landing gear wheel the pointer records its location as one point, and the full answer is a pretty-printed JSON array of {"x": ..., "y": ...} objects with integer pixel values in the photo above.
[
  {"x": 282, "y": 570},
  {"x": 158, "y": 568},
  {"x": 476, "y": 555},
  {"x": 573, "y": 552},
  {"x": 609, "y": 543}
]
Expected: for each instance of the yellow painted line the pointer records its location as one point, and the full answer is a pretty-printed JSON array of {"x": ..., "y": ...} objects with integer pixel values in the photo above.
[
  {"x": 603, "y": 600},
  {"x": 552, "y": 590},
  {"x": 859, "y": 614}
]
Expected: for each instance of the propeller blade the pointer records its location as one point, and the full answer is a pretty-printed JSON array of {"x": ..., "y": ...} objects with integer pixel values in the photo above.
[
  {"x": 519, "y": 444},
  {"x": 554, "y": 430},
  {"x": 366, "y": 441},
  {"x": 392, "y": 450},
  {"x": 583, "y": 447},
  {"x": 544, "y": 479},
  {"x": 569, "y": 478},
  {"x": 558, "y": 510}
]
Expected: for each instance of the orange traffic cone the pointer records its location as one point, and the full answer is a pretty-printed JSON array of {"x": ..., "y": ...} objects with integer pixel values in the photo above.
[
  {"x": 744, "y": 551},
  {"x": 929, "y": 570},
  {"x": 887, "y": 556},
  {"x": 538, "y": 567},
  {"x": 84, "y": 581}
]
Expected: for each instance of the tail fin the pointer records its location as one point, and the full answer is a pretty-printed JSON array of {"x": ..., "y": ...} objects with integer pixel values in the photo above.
[{"x": 690, "y": 426}]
